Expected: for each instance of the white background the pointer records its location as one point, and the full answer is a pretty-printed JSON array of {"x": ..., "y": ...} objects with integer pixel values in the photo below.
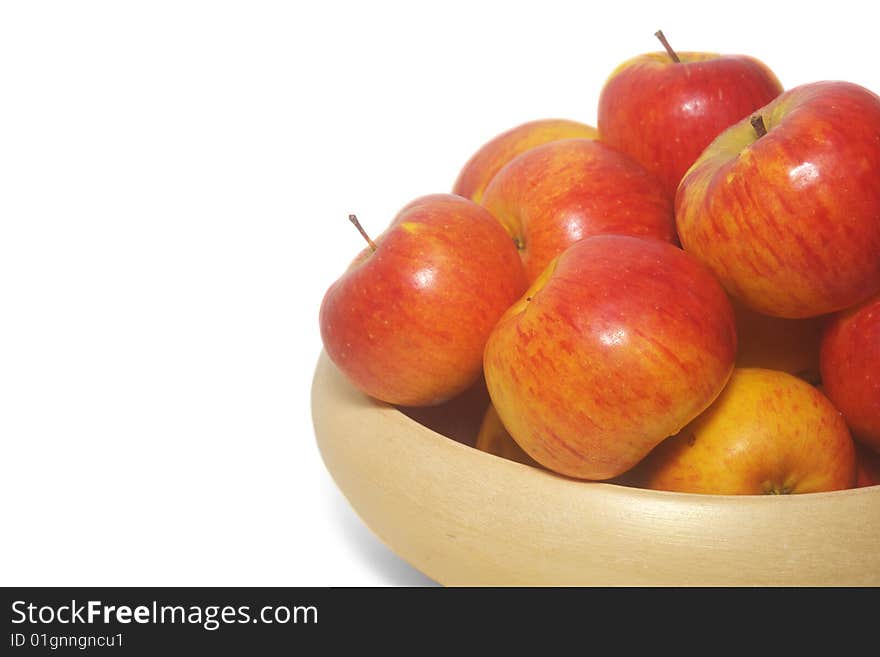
[{"x": 175, "y": 179}]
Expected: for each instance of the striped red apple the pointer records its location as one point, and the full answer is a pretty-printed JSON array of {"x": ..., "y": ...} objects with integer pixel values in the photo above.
[
  {"x": 849, "y": 361},
  {"x": 408, "y": 321},
  {"x": 663, "y": 108},
  {"x": 489, "y": 159},
  {"x": 556, "y": 194},
  {"x": 618, "y": 344},
  {"x": 784, "y": 207}
]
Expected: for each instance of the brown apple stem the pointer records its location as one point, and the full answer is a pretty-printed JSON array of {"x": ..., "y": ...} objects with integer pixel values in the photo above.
[
  {"x": 757, "y": 122},
  {"x": 357, "y": 224},
  {"x": 672, "y": 54}
]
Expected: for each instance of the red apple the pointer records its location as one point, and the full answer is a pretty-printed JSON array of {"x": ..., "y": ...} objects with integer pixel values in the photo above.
[
  {"x": 618, "y": 344},
  {"x": 664, "y": 112},
  {"x": 784, "y": 208},
  {"x": 553, "y": 195},
  {"x": 408, "y": 320},
  {"x": 488, "y": 160},
  {"x": 768, "y": 433},
  {"x": 849, "y": 361}
]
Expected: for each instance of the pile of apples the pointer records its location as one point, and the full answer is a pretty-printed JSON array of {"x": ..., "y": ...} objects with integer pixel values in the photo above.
[{"x": 685, "y": 297}]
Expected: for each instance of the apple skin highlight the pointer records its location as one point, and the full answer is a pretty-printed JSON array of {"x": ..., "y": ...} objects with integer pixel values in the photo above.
[{"x": 617, "y": 345}]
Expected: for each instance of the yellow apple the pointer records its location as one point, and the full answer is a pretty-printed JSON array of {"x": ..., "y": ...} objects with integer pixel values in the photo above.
[{"x": 768, "y": 432}]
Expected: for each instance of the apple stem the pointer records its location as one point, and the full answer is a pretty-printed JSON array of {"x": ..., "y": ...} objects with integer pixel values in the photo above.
[
  {"x": 757, "y": 122},
  {"x": 672, "y": 54},
  {"x": 357, "y": 224}
]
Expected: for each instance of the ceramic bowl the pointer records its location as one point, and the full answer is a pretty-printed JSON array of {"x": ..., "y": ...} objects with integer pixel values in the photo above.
[{"x": 467, "y": 518}]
